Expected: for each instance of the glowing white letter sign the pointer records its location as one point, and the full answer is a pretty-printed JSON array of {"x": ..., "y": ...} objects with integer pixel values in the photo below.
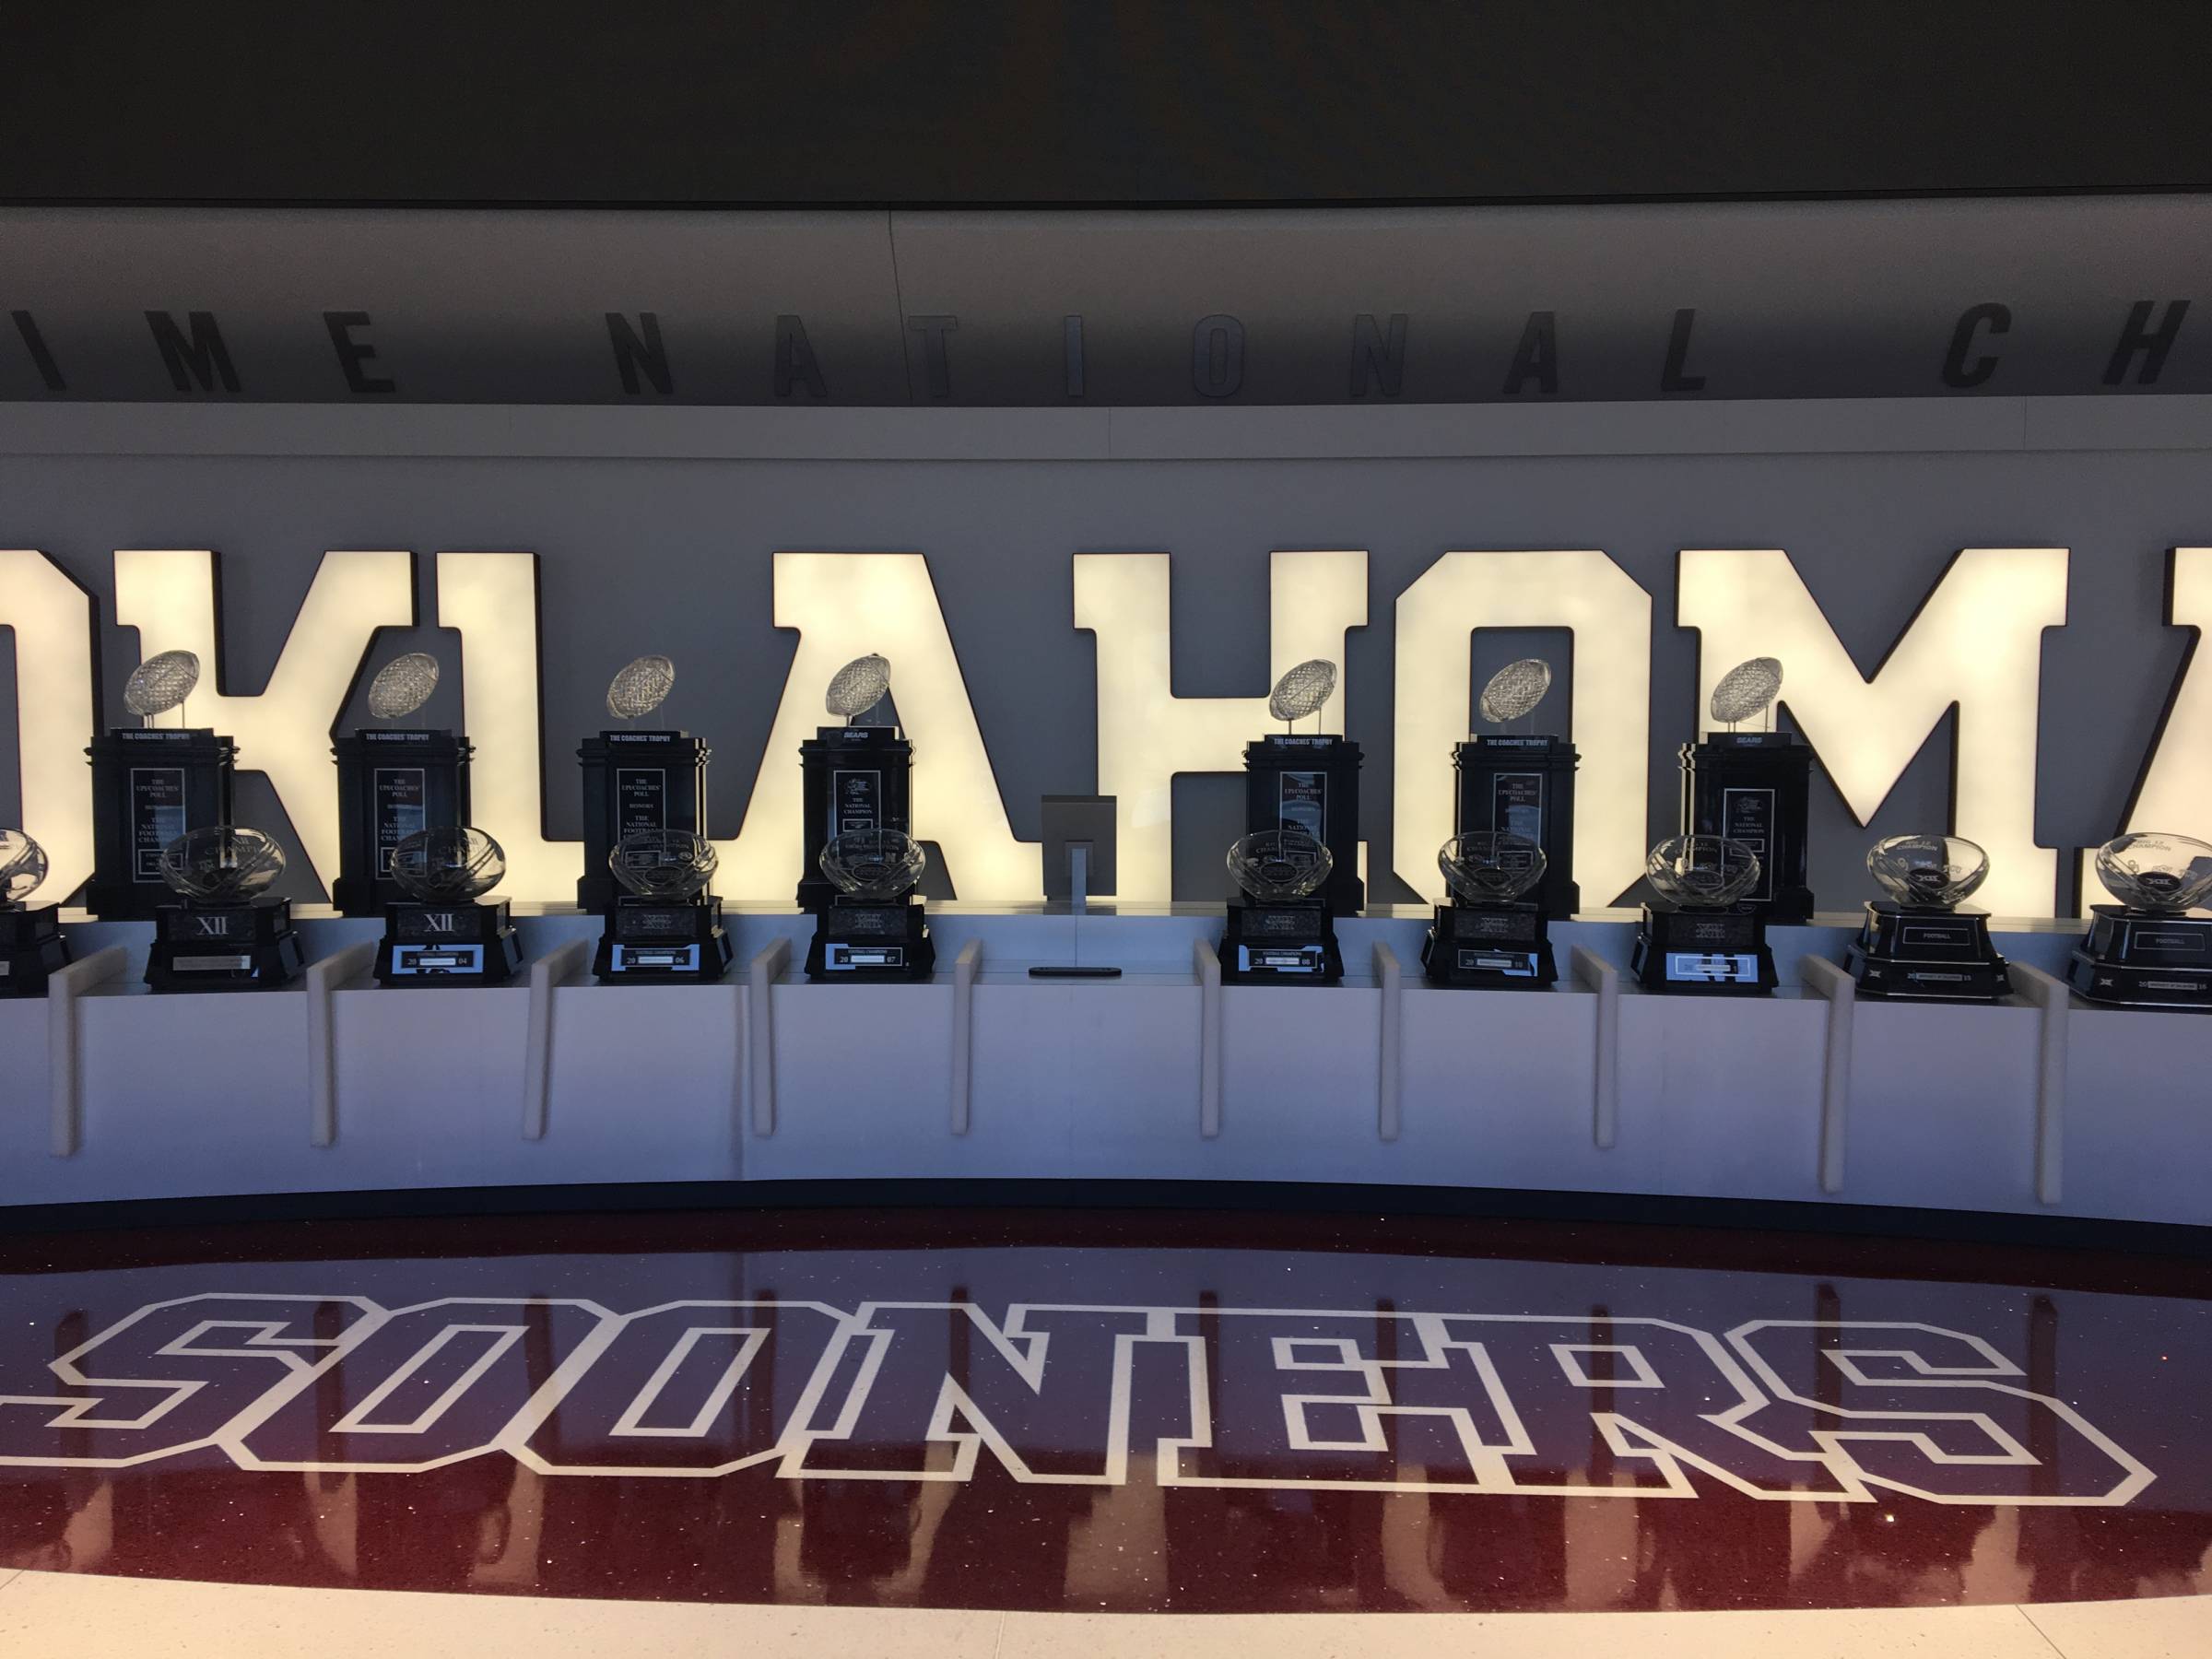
[{"x": 51, "y": 618}]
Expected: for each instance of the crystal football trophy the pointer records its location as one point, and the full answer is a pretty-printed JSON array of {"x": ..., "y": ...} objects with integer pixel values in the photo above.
[
  {"x": 1489, "y": 936},
  {"x": 2154, "y": 948},
  {"x": 875, "y": 928},
  {"x": 1917, "y": 945},
  {"x": 394, "y": 782},
  {"x": 440, "y": 935},
  {"x": 1520, "y": 782},
  {"x": 1279, "y": 931},
  {"x": 1699, "y": 936},
  {"x": 227, "y": 936},
  {"x": 151, "y": 785},
  {"x": 637, "y": 780},
  {"x": 1754, "y": 787},
  {"x": 665, "y": 926},
  {"x": 31, "y": 945},
  {"x": 857, "y": 777},
  {"x": 1309, "y": 781}
]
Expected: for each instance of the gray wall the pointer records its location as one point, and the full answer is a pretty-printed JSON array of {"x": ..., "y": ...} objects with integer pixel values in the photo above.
[{"x": 673, "y": 555}]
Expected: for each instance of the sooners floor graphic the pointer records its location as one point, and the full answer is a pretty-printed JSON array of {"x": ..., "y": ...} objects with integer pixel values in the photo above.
[{"x": 1106, "y": 1410}]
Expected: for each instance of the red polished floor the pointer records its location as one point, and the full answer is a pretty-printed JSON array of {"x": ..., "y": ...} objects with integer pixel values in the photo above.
[{"x": 1115, "y": 1410}]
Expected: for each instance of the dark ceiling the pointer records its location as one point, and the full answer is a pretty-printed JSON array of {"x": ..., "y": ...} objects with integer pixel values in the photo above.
[{"x": 1133, "y": 101}]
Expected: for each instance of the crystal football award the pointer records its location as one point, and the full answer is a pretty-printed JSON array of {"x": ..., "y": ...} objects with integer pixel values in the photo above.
[
  {"x": 875, "y": 928},
  {"x": 2154, "y": 948},
  {"x": 857, "y": 776},
  {"x": 31, "y": 945},
  {"x": 637, "y": 781},
  {"x": 1754, "y": 787},
  {"x": 1309, "y": 781},
  {"x": 1279, "y": 930},
  {"x": 151, "y": 784},
  {"x": 227, "y": 935},
  {"x": 1521, "y": 782},
  {"x": 1491, "y": 938},
  {"x": 440, "y": 934},
  {"x": 394, "y": 782},
  {"x": 1917, "y": 945},
  {"x": 1698, "y": 935},
  {"x": 665, "y": 926}
]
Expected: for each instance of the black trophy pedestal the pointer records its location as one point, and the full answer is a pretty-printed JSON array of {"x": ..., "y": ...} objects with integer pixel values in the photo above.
[
  {"x": 392, "y": 782},
  {"x": 1754, "y": 787},
  {"x": 32, "y": 946},
  {"x": 457, "y": 943},
  {"x": 149, "y": 787},
  {"x": 860, "y": 939},
  {"x": 857, "y": 778},
  {"x": 1524, "y": 786},
  {"x": 1922, "y": 953},
  {"x": 1280, "y": 942},
  {"x": 1703, "y": 952},
  {"x": 2145, "y": 958},
  {"x": 651, "y": 939},
  {"x": 1504, "y": 947},
  {"x": 224, "y": 947},
  {"x": 1293, "y": 781},
  {"x": 636, "y": 781}
]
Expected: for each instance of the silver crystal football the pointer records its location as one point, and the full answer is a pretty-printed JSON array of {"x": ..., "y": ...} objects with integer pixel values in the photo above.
[
  {"x": 640, "y": 687},
  {"x": 859, "y": 686},
  {"x": 1515, "y": 689},
  {"x": 1302, "y": 689},
  {"x": 161, "y": 683},
  {"x": 1745, "y": 690},
  {"x": 403, "y": 686}
]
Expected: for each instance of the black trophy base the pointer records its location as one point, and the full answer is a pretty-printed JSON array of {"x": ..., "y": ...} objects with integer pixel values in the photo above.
[
  {"x": 650, "y": 941},
  {"x": 224, "y": 947},
  {"x": 1287, "y": 942},
  {"x": 2134, "y": 958},
  {"x": 1502, "y": 947},
  {"x": 1702, "y": 952},
  {"x": 459, "y": 944},
  {"x": 857, "y": 940},
  {"x": 1920, "y": 953},
  {"x": 32, "y": 948}
]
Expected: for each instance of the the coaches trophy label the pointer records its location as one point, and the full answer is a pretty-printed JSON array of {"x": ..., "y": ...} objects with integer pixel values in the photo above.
[
  {"x": 31, "y": 945},
  {"x": 1699, "y": 936},
  {"x": 857, "y": 776},
  {"x": 875, "y": 928},
  {"x": 151, "y": 784},
  {"x": 1521, "y": 781},
  {"x": 636, "y": 779},
  {"x": 1309, "y": 781},
  {"x": 441, "y": 934},
  {"x": 2154, "y": 948},
  {"x": 1917, "y": 945},
  {"x": 394, "y": 782},
  {"x": 1754, "y": 787},
  {"x": 1279, "y": 930},
  {"x": 665, "y": 926},
  {"x": 1491, "y": 938},
  {"x": 227, "y": 935}
]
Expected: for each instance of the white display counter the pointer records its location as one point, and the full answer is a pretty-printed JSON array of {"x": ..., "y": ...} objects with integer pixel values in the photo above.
[{"x": 2043, "y": 1105}]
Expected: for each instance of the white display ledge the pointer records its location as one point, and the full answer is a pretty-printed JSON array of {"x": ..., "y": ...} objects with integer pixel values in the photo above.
[{"x": 2042, "y": 1105}]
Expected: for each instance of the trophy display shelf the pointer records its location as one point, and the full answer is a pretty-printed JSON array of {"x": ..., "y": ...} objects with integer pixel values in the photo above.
[
  {"x": 666, "y": 928},
  {"x": 2154, "y": 948},
  {"x": 32, "y": 944},
  {"x": 149, "y": 786},
  {"x": 1279, "y": 930},
  {"x": 226, "y": 934},
  {"x": 440, "y": 935},
  {"x": 1917, "y": 945},
  {"x": 394, "y": 782},
  {"x": 1698, "y": 937},
  {"x": 1488, "y": 937},
  {"x": 874, "y": 929}
]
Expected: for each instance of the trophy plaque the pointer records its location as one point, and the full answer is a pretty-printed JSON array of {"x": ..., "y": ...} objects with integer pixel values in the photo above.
[
  {"x": 1491, "y": 938},
  {"x": 225, "y": 935},
  {"x": 665, "y": 926},
  {"x": 440, "y": 935},
  {"x": 1698, "y": 937},
  {"x": 637, "y": 781},
  {"x": 1308, "y": 781},
  {"x": 2154, "y": 948},
  {"x": 394, "y": 782},
  {"x": 874, "y": 929},
  {"x": 857, "y": 777},
  {"x": 1917, "y": 945},
  {"x": 31, "y": 945},
  {"x": 150, "y": 785},
  {"x": 1279, "y": 930},
  {"x": 1521, "y": 784},
  {"x": 1753, "y": 787}
]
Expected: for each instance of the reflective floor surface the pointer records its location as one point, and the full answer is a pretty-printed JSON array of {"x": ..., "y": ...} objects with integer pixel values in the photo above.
[{"x": 1107, "y": 1411}]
